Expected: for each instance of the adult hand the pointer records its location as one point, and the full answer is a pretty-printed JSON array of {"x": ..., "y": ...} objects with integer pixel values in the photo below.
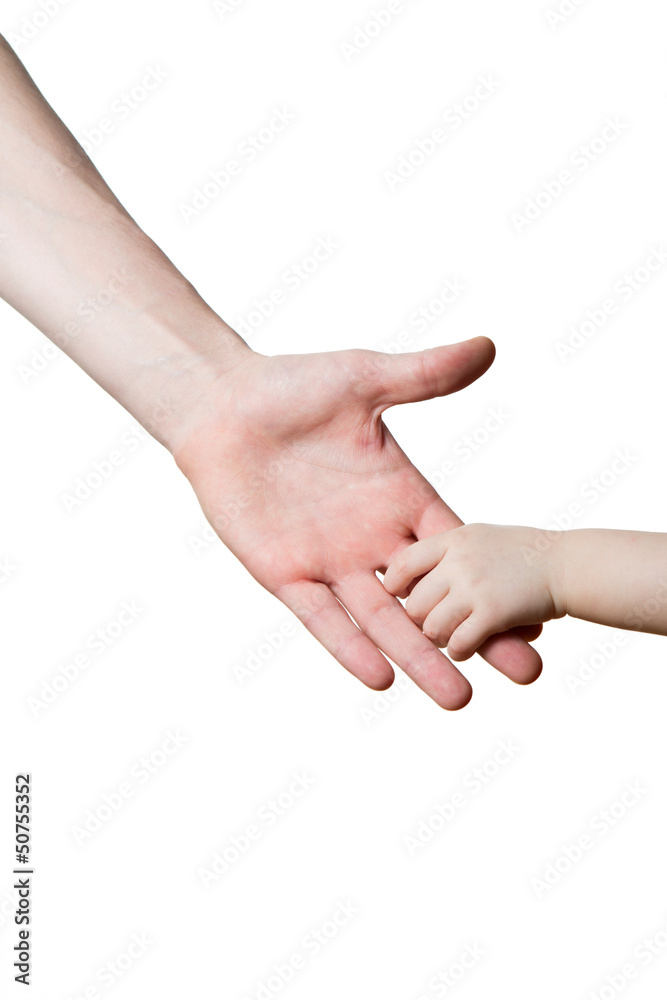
[
  {"x": 288, "y": 455},
  {"x": 299, "y": 476}
]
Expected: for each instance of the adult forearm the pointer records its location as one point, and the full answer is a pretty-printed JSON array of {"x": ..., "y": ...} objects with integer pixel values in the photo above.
[
  {"x": 617, "y": 578},
  {"x": 75, "y": 264}
]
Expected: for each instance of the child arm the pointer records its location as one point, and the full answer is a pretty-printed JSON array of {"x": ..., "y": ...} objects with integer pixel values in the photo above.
[
  {"x": 617, "y": 578},
  {"x": 484, "y": 578}
]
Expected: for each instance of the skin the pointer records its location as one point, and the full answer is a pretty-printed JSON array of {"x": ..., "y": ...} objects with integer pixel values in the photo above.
[
  {"x": 479, "y": 579},
  {"x": 288, "y": 456},
  {"x": 315, "y": 496}
]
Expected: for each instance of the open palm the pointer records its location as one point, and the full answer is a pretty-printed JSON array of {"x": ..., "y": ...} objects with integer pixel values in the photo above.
[{"x": 301, "y": 479}]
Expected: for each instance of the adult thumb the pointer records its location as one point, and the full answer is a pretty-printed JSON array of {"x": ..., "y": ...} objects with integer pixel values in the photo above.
[{"x": 437, "y": 371}]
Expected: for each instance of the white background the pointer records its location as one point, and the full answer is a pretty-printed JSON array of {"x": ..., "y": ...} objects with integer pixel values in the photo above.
[{"x": 378, "y": 765}]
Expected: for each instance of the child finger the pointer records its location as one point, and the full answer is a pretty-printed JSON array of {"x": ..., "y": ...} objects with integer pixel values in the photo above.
[
  {"x": 468, "y": 637},
  {"x": 413, "y": 561},
  {"x": 443, "y": 620},
  {"x": 431, "y": 590}
]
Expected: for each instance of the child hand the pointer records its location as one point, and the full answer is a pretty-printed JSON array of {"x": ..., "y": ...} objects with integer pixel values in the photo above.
[{"x": 481, "y": 579}]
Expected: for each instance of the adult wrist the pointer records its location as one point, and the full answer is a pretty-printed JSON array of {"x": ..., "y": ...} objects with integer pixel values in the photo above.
[{"x": 191, "y": 371}]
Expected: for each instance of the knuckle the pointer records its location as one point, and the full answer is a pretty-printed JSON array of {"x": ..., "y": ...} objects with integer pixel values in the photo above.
[
  {"x": 436, "y": 634},
  {"x": 380, "y": 614},
  {"x": 346, "y": 647},
  {"x": 420, "y": 659},
  {"x": 412, "y": 606},
  {"x": 399, "y": 567}
]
